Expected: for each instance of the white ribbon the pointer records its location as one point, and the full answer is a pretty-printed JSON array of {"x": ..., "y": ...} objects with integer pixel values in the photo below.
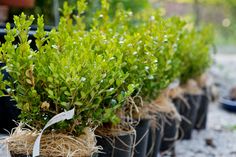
[{"x": 57, "y": 118}]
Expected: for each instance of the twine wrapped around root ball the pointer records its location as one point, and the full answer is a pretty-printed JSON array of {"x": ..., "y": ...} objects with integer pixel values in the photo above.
[
  {"x": 191, "y": 87},
  {"x": 115, "y": 130},
  {"x": 205, "y": 80},
  {"x": 162, "y": 109},
  {"x": 175, "y": 92},
  {"x": 53, "y": 144},
  {"x": 163, "y": 104},
  {"x": 138, "y": 109}
]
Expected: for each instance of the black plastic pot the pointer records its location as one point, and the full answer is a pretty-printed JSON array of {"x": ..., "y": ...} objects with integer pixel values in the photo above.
[
  {"x": 201, "y": 119},
  {"x": 119, "y": 146},
  {"x": 189, "y": 113},
  {"x": 8, "y": 109},
  {"x": 8, "y": 114},
  {"x": 169, "y": 136},
  {"x": 142, "y": 134},
  {"x": 154, "y": 138},
  {"x": 228, "y": 104}
]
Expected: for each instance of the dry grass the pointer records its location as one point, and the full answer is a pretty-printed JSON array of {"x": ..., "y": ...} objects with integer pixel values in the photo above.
[
  {"x": 54, "y": 144},
  {"x": 191, "y": 87}
]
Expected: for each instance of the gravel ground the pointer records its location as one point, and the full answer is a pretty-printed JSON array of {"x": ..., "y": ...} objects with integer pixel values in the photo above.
[{"x": 218, "y": 140}]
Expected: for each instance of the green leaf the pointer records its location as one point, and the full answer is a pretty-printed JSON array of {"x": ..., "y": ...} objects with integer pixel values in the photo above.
[
  {"x": 83, "y": 95},
  {"x": 67, "y": 93},
  {"x": 50, "y": 92}
]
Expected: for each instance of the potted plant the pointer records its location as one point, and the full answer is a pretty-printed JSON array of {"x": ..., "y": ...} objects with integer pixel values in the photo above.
[
  {"x": 141, "y": 66},
  {"x": 151, "y": 62},
  {"x": 55, "y": 78},
  {"x": 167, "y": 71},
  {"x": 196, "y": 58},
  {"x": 204, "y": 84},
  {"x": 111, "y": 28}
]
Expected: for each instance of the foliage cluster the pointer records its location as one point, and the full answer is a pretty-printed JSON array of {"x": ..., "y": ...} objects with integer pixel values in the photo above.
[{"x": 96, "y": 70}]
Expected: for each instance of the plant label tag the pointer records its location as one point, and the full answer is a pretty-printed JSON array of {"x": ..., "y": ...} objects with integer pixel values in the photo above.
[{"x": 57, "y": 118}]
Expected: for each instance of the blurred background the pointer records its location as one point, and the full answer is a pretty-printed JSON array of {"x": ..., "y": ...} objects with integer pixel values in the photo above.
[{"x": 221, "y": 14}]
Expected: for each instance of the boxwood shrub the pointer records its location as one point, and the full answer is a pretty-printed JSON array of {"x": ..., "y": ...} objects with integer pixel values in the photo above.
[{"x": 96, "y": 70}]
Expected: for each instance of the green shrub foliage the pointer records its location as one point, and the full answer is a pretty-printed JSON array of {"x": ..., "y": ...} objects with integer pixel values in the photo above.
[{"x": 96, "y": 70}]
